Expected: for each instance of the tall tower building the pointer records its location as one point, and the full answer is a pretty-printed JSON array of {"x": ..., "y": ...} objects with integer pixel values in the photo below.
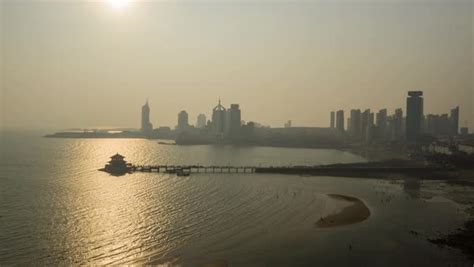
[
  {"x": 356, "y": 123},
  {"x": 233, "y": 120},
  {"x": 183, "y": 122},
  {"x": 414, "y": 116},
  {"x": 333, "y": 119},
  {"x": 201, "y": 121},
  {"x": 365, "y": 122},
  {"x": 381, "y": 122},
  {"x": 146, "y": 126},
  {"x": 218, "y": 118},
  {"x": 454, "y": 121},
  {"x": 340, "y": 120},
  {"x": 398, "y": 124}
]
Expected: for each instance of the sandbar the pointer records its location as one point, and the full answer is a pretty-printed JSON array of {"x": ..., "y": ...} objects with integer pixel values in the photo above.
[{"x": 356, "y": 212}]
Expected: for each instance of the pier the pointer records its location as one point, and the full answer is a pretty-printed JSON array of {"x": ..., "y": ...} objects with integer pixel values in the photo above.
[
  {"x": 192, "y": 169},
  {"x": 327, "y": 170},
  {"x": 118, "y": 166}
]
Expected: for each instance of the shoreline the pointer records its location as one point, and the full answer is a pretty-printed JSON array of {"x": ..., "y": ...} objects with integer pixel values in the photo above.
[{"x": 355, "y": 213}]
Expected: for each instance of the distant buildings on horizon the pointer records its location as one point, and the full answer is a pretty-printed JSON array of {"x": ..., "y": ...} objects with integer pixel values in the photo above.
[
  {"x": 224, "y": 122},
  {"x": 367, "y": 126},
  {"x": 360, "y": 126},
  {"x": 146, "y": 126}
]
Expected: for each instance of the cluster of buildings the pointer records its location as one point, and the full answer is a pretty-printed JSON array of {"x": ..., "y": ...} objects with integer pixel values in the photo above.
[
  {"x": 225, "y": 122},
  {"x": 367, "y": 126},
  {"x": 360, "y": 127}
]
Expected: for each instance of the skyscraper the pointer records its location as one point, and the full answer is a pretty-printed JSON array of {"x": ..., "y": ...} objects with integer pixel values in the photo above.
[
  {"x": 355, "y": 127},
  {"x": 454, "y": 121},
  {"x": 183, "y": 122},
  {"x": 414, "y": 116},
  {"x": 218, "y": 118},
  {"x": 365, "y": 122},
  {"x": 398, "y": 124},
  {"x": 340, "y": 120},
  {"x": 233, "y": 120},
  {"x": 201, "y": 121},
  {"x": 146, "y": 126},
  {"x": 381, "y": 123},
  {"x": 333, "y": 119}
]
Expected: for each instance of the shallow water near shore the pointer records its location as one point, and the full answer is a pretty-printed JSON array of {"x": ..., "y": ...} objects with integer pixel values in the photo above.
[{"x": 56, "y": 208}]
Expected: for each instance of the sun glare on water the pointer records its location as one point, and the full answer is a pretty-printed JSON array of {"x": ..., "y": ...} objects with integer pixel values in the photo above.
[{"x": 119, "y": 3}]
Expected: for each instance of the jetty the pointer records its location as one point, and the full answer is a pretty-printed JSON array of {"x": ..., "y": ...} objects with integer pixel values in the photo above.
[
  {"x": 368, "y": 170},
  {"x": 192, "y": 169}
]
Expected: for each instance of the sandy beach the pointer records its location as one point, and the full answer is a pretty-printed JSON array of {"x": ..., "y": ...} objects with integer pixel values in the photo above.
[{"x": 356, "y": 212}]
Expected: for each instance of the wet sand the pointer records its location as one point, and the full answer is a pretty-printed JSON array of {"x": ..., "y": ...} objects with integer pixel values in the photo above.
[{"x": 356, "y": 212}]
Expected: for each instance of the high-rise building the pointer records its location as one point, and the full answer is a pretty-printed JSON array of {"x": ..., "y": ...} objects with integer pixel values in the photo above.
[
  {"x": 435, "y": 124},
  {"x": 372, "y": 119},
  {"x": 218, "y": 118},
  {"x": 364, "y": 122},
  {"x": 381, "y": 123},
  {"x": 333, "y": 119},
  {"x": 183, "y": 122},
  {"x": 201, "y": 121},
  {"x": 146, "y": 126},
  {"x": 414, "y": 116},
  {"x": 454, "y": 121},
  {"x": 340, "y": 120},
  {"x": 398, "y": 124},
  {"x": 355, "y": 126},
  {"x": 233, "y": 120}
]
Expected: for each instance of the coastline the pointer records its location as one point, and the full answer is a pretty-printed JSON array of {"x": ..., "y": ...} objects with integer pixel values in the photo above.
[{"x": 355, "y": 213}]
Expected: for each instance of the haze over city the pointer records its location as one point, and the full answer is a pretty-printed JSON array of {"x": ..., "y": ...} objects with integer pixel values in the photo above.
[
  {"x": 93, "y": 64},
  {"x": 237, "y": 133}
]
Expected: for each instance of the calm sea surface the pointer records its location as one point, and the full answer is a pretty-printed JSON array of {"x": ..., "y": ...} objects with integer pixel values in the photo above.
[{"x": 56, "y": 208}]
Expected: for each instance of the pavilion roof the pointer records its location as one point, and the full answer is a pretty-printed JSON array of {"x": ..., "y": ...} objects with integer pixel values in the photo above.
[{"x": 117, "y": 156}]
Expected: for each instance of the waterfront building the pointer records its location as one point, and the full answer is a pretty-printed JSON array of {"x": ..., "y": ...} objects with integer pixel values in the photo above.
[
  {"x": 369, "y": 133},
  {"x": 466, "y": 148},
  {"x": 414, "y": 117},
  {"x": 288, "y": 124},
  {"x": 146, "y": 126},
  {"x": 218, "y": 118},
  {"x": 340, "y": 120},
  {"x": 233, "y": 120},
  {"x": 454, "y": 121},
  {"x": 398, "y": 124},
  {"x": 437, "y": 124},
  {"x": 333, "y": 119},
  {"x": 356, "y": 123},
  {"x": 364, "y": 123},
  {"x": 381, "y": 123},
  {"x": 394, "y": 127},
  {"x": 183, "y": 122},
  {"x": 201, "y": 121},
  {"x": 372, "y": 119}
]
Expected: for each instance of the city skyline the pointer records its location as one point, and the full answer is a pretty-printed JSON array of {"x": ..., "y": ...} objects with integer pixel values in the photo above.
[
  {"x": 237, "y": 132},
  {"x": 336, "y": 119},
  {"x": 281, "y": 60}
]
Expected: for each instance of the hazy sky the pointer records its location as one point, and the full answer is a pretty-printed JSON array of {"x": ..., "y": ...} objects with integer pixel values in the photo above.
[{"x": 75, "y": 63}]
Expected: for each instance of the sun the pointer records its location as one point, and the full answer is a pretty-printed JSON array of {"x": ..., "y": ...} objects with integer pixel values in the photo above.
[{"x": 119, "y": 3}]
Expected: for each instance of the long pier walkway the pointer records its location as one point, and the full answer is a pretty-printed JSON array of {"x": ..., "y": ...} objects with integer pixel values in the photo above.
[
  {"x": 348, "y": 171},
  {"x": 192, "y": 169}
]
